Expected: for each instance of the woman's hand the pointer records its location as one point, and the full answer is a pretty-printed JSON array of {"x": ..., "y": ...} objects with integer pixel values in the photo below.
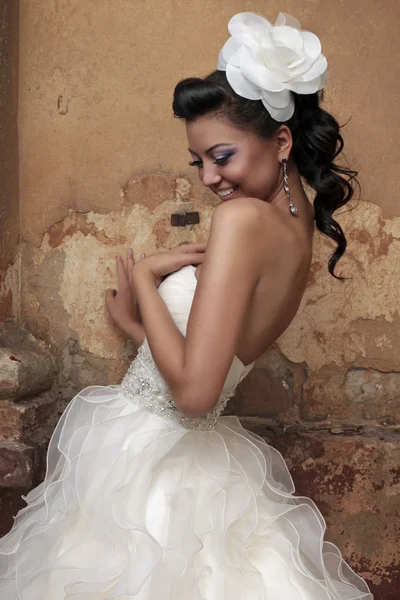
[
  {"x": 163, "y": 263},
  {"x": 121, "y": 303}
]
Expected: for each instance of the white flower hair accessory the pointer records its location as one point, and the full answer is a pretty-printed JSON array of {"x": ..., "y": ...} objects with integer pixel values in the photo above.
[{"x": 267, "y": 62}]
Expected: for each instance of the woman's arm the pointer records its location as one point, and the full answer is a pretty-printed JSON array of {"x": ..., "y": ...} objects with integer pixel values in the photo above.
[
  {"x": 121, "y": 304},
  {"x": 195, "y": 367}
]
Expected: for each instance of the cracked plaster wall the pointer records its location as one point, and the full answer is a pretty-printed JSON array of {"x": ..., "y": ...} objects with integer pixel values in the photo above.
[{"x": 102, "y": 166}]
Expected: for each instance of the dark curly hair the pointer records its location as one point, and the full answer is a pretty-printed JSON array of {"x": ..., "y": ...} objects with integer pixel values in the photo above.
[{"x": 316, "y": 142}]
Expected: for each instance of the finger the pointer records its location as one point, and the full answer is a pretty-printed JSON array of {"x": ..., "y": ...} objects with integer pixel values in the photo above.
[
  {"x": 192, "y": 259},
  {"x": 129, "y": 257},
  {"x": 122, "y": 274},
  {"x": 190, "y": 248},
  {"x": 130, "y": 263}
]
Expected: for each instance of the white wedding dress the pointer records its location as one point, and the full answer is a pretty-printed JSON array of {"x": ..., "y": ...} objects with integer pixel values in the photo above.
[{"x": 140, "y": 502}]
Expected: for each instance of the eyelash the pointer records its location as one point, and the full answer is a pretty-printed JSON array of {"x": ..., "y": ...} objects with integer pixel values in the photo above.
[{"x": 217, "y": 161}]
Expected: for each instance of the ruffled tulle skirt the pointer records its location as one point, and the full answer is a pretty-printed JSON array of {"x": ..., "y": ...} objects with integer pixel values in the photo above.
[{"x": 135, "y": 506}]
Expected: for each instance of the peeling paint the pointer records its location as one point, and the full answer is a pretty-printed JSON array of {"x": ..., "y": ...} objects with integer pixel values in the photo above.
[
  {"x": 339, "y": 324},
  {"x": 324, "y": 330},
  {"x": 72, "y": 224},
  {"x": 337, "y": 366},
  {"x": 80, "y": 252}
]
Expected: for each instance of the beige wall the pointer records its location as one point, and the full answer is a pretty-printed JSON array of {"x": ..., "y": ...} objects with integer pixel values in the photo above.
[
  {"x": 9, "y": 204},
  {"x": 103, "y": 164},
  {"x": 96, "y": 80}
]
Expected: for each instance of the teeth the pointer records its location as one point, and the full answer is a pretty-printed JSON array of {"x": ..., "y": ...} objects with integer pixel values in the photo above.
[{"x": 227, "y": 192}]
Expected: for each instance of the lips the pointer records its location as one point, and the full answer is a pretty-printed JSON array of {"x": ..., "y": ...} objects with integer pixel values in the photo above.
[{"x": 226, "y": 191}]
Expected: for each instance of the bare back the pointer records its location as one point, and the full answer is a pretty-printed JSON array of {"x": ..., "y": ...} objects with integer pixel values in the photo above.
[{"x": 276, "y": 298}]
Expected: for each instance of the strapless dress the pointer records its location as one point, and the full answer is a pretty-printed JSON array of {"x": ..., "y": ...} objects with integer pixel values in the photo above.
[{"x": 140, "y": 502}]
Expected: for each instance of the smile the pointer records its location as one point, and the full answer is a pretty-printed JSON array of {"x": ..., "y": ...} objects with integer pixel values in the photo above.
[{"x": 227, "y": 192}]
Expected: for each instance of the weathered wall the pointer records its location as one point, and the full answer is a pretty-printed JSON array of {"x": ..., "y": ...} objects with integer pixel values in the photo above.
[
  {"x": 103, "y": 164},
  {"x": 9, "y": 203}
]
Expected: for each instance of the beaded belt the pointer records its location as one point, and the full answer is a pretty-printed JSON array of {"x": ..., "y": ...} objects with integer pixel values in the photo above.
[{"x": 144, "y": 386}]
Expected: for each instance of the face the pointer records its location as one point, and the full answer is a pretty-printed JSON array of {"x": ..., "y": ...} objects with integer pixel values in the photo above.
[{"x": 231, "y": 162}]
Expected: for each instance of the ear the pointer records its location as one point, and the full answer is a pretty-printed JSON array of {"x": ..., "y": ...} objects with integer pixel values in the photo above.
[{"x": 284, "y": 141}]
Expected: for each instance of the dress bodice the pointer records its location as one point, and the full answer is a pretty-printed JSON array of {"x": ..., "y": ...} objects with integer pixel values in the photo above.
[{"x": 143, "y": 382}]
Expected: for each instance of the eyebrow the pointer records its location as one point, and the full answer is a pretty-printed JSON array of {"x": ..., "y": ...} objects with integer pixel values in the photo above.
[{"x": 211, "y": 148}]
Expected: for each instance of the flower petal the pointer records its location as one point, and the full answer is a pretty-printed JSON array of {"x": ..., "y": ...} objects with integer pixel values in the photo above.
[
  {"x": 280, "y": 114},
  {"x": 316, "y": 70},
  {"x": 277, "y": 99},
  {"x": 231, "y": 47},
  {"x": 241, "y": 85},
  {"x": 305, "y": 87},
  {"x": 256, "y": 43},
  {"x": 241, "y": 23},
  {"x": 285, "y": 19},
  {"x": 301, "y": 67},
  {"x": 221, "y": 62},
  {"x": 271, "y": 59},
  {"x": 289, "y": 37},
  {"x": 260, "y": 75},
  {"x": 289, "y": 60},
  {"x": 311, "y": 44},
  {"x": 264, "y": 60}
]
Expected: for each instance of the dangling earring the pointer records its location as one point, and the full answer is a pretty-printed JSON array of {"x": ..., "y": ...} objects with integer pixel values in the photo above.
[{"x": 292, "y": 207}]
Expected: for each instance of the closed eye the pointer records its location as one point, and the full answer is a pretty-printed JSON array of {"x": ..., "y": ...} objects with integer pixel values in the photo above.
[{"x": 222, "y": 160}]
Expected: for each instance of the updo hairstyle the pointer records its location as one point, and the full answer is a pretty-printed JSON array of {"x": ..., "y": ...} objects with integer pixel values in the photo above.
[{"x": 317, "y": 142}]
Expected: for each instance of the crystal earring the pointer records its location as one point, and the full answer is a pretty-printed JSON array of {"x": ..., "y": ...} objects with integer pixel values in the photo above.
[{"x": 292, "y": 207}]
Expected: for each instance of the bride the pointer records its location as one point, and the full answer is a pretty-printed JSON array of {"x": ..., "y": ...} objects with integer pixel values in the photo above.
[{"x": 149, "y": 492}]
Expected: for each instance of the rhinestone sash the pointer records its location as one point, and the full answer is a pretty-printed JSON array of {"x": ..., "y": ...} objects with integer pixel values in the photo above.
[{"x": 144, "y": 386}]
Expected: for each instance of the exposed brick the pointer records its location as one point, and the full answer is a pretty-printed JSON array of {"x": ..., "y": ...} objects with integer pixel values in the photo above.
[
  {"x": 273, "y": 388},
  {"x": 354, "y": 395},
  {"x": 355, "y": 481},
  {"x": 323, "y": 395},
  {"x": 20, "y": 465},
  {"x": 381, "y": 337},
  {"x": 26, "y": 366},
  {"x": 377, "y": 392},
  {"x": 19, "y": 421}
]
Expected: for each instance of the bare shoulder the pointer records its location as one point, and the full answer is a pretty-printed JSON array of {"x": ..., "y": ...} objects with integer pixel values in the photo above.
[
  {"x": 241, "y": 208},
  {"x": 236, "y": 226},
  {"x": 256, "y": 219},
  {"x": 243, "y": 216}
]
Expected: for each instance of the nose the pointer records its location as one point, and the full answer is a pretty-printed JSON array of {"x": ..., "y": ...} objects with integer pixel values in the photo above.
[{"x": 209, "y": 174}]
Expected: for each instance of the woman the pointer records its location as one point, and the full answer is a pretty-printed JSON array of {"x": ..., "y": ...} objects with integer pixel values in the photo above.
[{"x": 148, "y": 493}]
